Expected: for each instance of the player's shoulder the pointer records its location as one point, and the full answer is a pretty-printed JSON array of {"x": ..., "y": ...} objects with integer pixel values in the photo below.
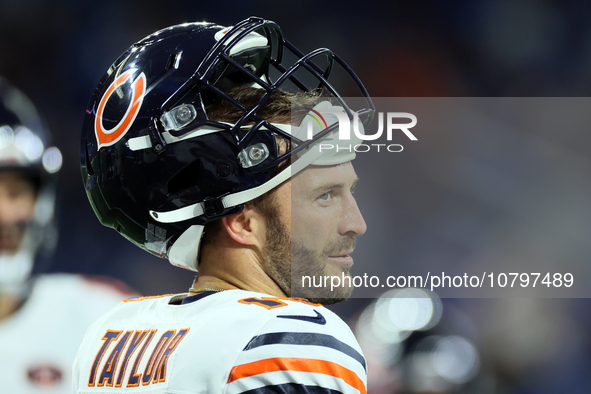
[
  {"x": 297, "y": 321},
  {"x": 312, "y": 345},
  {"x": 70, "y": 298},
  {"x": 287, "y": 309},
  {"x": 259, "y": 314},
  {"x": 90, "y": 296},
  {"x": 83, "y": 285}
]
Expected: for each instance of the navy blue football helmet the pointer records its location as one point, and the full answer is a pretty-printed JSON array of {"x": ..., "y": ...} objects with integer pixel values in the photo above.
[
  {"x": 25, "y": 148},
  {"x": 157, "y": 169}
]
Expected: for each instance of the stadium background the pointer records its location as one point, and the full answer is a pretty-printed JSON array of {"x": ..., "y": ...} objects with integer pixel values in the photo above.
[{"x": 57, "y": 51}]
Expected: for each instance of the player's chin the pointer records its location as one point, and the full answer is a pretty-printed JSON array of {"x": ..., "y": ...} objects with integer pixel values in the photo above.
[
  {"x": 338, "y": 289},
  {"x": 9, "y": 243},
  {"x": 326, "y": 289},
  {"x": 331, "y": 296},
  {"x": 338, "y": 267}
]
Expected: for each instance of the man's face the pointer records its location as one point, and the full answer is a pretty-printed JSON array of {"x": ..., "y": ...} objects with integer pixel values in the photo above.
[
  {"x": 17, "y": 205},
  {"x": 319, "y": 217}
]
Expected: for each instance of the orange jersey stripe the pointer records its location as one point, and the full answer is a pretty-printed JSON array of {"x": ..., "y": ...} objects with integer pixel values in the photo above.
[
  {"x": 300, "y": 365},
  {"x": 145, "y": 298}
]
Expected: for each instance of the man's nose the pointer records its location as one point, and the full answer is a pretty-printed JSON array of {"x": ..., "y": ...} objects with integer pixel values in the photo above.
[{"x": 353, "y": 222}]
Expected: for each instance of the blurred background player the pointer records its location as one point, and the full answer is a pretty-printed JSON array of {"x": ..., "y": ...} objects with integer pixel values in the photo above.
[{"x": 42, "y": 317}]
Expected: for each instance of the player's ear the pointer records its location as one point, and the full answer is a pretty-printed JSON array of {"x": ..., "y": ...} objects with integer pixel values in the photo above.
[{"x": 246, "y": 227}]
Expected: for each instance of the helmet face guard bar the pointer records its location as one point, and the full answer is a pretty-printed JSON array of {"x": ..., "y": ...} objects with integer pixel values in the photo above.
[{"x": 221, "y": 52}]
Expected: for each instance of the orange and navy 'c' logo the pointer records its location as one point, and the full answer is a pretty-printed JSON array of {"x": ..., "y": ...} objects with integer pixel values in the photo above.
[{"x": 138, "y": 87}]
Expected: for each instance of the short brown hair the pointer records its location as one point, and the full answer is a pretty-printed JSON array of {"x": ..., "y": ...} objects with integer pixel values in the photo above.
[{"x": 278, "y": 108}]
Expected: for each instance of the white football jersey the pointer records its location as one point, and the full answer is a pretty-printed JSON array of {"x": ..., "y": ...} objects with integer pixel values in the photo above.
[
  {"x": 39, "y": 341},
  {"x": 228, "y": 342}
]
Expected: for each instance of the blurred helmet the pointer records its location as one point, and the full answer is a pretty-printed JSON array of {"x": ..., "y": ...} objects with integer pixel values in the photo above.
[
  {"x": 24, "y": 148},
  {"x": 157, "y": 168}
]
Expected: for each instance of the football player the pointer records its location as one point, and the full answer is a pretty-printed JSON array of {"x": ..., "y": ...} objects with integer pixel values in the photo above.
[
  {"x": 218, "y": 149},
  {"x": 42, "y": 317}
]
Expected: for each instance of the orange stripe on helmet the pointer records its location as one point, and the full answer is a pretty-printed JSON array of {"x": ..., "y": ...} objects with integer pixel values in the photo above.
[
  {"x": 109, "y": 137},
  {"x": 300, "y": 365}
]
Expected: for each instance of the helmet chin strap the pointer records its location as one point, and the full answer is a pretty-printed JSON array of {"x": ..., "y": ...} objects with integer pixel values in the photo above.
[
  {"x": 339, "y": 152},
  {"x": 16, "y": 268},
  {"x": 184, "y": 252},
  {"x": 232, "y": 200}
]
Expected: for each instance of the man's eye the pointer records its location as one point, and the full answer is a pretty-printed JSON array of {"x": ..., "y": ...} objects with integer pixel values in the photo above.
[{"x": 324, "y": 196}]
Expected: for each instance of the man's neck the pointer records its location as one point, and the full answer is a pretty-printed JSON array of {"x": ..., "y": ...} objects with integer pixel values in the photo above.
[{"x": 234, "y": 268}]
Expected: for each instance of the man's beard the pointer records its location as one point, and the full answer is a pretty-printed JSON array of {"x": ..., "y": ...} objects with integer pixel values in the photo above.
[{"x": 289, "y": 260}]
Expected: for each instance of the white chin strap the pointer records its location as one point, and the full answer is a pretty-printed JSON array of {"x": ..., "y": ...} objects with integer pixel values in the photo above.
[
  {"x": 15, "y": 268},
  {"x": 329, "y": 150}
]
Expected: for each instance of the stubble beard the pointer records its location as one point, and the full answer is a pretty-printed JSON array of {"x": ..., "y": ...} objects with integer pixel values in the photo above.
[{"x": 288, "y": 260}]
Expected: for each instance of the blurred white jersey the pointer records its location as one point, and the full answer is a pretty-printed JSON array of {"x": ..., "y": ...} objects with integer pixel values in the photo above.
[
  {"x": 39, "y": 341},
  {"x": 228, "y": 342}
]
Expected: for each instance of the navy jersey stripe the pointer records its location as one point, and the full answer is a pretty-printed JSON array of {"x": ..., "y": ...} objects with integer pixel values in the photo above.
[
  {"x": 291, "y": 388},
  {"x": 305, "y": 338}
]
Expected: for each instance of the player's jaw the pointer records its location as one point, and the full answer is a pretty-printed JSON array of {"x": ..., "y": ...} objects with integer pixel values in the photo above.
[
  {"x": 334, "y": 260},
  {"x": 287, "y": 259},
  {"x": 11, "y": 236}
]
